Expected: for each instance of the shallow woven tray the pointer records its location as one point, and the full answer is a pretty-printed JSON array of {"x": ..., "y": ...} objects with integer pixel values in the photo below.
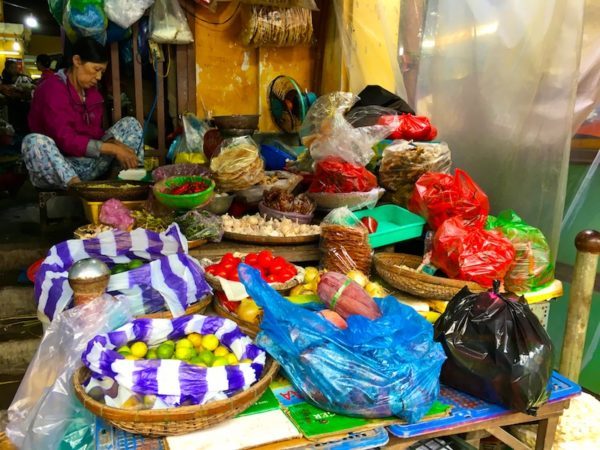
[
  {"x": 196, "y": 243},
  {"x": 174, "y": 421},
  {"x": 250, "y": 329},
  {"x": 283, "y": 288},
  {"x": 388, "y": 267},
  {"x": 273, "y": 240},
  {"x": 136, "y": 190},
  {"x": 195, "y": 308}
]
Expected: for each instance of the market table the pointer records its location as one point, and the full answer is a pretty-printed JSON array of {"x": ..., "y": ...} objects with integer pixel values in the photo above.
[{"x": 478, "y": 419}]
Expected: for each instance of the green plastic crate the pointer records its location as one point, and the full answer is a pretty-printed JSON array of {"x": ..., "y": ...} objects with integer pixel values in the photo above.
[{"x": 395, "y": 224}]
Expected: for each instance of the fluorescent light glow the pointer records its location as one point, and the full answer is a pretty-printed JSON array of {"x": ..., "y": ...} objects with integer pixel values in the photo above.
[
  {"x": 31, "y": 22},
  {"x": 9, "y": 53},
  {"x": 16, "y": 46}
]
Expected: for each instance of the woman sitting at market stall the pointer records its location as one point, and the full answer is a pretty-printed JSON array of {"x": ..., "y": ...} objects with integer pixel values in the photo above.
[{"x": 68, "y": 144}]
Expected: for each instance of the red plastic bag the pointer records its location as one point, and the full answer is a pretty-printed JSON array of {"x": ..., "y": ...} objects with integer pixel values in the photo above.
[
  {"x": 440, "y": 196},
  {"x": 334, "y": 175},
  {"x": 410, "y": 128},
  {"x": 471, "y": 253}
]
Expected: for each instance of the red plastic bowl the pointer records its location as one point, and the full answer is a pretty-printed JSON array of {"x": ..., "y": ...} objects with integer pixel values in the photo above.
[{"x": 33, "y": 269}]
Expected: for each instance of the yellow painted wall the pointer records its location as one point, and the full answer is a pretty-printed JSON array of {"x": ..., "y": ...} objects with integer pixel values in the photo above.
[{"x": 232, "y": 79}]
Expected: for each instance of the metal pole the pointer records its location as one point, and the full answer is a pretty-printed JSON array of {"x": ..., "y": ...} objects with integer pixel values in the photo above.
[{"x": 580, "y": 302}]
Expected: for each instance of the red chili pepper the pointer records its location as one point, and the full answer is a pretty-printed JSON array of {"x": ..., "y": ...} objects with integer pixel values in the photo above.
[{"x": 370, "y": 224}]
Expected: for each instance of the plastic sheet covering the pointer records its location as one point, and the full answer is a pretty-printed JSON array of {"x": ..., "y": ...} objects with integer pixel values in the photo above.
[
  {"x": 374, "y": 368},
  {"x": 168, "y": 24},
  {"x": 508, "y": 73},
  {"x": 45, "y": 408},
  {"x": 85, "y": 18},
  {"x": 126, "y": 13}
]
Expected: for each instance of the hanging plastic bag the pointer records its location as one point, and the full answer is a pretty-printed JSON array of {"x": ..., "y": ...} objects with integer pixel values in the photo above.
[
  {"x": 57, "y": 8},
  {"x": 168, "y": 24},
  {"x": 326, "y": 132},
  {"x": 409, "y": 127},
  {"x": 126, "y": 13},
  {"x": 439, "y": 196},
  {"x": 404, "y": 162},
  {"x": 533, "y": 266},
  {"x": 170, "y": 279},
  {"x": 45, "y": 408},
  {"x": 344, "y": 243},
  {"x": 191, "y": 145},
  {"x": 470, "y": 253},
  {"x": 497, "y": 349},
  {"x": 374, "y": 368},
  {"x": 85, "y": 18}
]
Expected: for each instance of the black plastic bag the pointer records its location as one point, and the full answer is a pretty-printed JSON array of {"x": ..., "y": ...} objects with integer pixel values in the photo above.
[{"x": 497, "y": 349}]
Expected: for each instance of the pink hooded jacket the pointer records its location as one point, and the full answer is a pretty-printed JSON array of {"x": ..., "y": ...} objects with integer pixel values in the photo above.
[{"x": 58, "y": 112}]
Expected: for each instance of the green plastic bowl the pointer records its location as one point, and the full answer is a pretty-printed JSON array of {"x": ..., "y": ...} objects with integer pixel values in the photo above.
[{"x": 186, "y": 201}]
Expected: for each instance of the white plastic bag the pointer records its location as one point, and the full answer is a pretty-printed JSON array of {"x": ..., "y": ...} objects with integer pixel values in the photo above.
[
  {"x": 45, "y": 408},
  {"x": 126, "y": 13},
  {"x": 168, "y": 24}
]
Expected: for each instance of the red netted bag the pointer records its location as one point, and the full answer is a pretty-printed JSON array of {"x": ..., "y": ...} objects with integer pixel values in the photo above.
[
  {"x": 471, "y": 253},
  {"x": 409, "y": 127},
  {"x": 440, "y": 196},
  {"x": 334, "y": 175}
]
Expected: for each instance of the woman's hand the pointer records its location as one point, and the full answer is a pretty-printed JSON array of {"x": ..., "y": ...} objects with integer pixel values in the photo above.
[{"x": 125, "y": 155}]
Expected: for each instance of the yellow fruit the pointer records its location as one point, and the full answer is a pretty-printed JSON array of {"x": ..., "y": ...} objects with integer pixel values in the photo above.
[
  {"x": 184, "y": 353},
  {"x": 152, "y": 354},
  {"x": 312, "y": 286},
  {"x": 221, "y": 351},
  {"x": 165, "y": 350},
  {"x": 310, "y": 274},
  {"x": 185, "y": 343},
  {"x": 297, "y": 290},
  {"x": 206, "y": 357},
  {"x": 210, "y": 342},
  {"x": 195, "y": 339},
  {"x": 220, "y": 361},
  {"x": 139, "y": 349},
  {"x": 248, "y": 310},
  {"x": 375, "y": 289},
  {"x": 246, "y": 361},
  {"x": 231, "y": 359},
  {"x": 432, "y": 316},
  {"x": 134, "y": 358},
  {"x": 358, "y": 277},
  {"x": 124, "y": 350}
]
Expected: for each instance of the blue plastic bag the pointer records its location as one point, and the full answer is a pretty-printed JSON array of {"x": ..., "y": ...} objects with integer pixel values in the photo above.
[{"x": 375, "y": 368}]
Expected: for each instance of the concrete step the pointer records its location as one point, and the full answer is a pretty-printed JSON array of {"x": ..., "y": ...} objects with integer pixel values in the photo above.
[
  {"x": 15, "y": 355},
  {"x": 17, "y": 301},
  {"x": 18, "y": 257}
]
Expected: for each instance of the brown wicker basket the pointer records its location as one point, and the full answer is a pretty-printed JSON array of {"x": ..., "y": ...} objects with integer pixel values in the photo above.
[
  {"x": 282, "y": 288},
  {"x": 250, "y": 329},
  {"x": 195, "y": 308},
  {"x": 389, "y": 267},
  {"x": 174, "y": 421}
]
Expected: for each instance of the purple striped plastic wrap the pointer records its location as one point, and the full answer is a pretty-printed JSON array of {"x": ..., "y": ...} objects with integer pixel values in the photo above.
[
  {"x": 173, "y": 382},
  {"x": 171, "y": 279}
]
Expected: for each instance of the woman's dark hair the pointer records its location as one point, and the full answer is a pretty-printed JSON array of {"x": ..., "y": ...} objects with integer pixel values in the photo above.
[
  {"x": 44, "y": 60},
  {"x": 89, "y": 50}
]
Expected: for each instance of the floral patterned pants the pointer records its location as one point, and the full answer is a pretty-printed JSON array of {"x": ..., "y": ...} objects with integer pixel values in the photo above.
[{"x": 49, "y": 169}]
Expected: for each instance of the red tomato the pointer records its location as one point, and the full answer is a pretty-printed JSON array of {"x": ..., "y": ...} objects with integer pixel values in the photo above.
[
  {"x": 279, "y": 260},
  {"x": 251, "y": 259},
  {"x": 230, "y": 306},
  {"x": 237, "y": 261},
  {"x": 233, "y": 275},
  {"x": 227, "y": 257},
  {"x": 272, "y": 279},
  {"x": 276, "y": 268},
  {"x": 291, "y": 268},
  {"x": 285, "y": 275},
  {"x": 228, "y": 266},
  {"x": 212, "y": 269},
  {"x": 221, "y": 273},
  {"x": 263, "y": 272},
  {"x": 264, "y": 258}
]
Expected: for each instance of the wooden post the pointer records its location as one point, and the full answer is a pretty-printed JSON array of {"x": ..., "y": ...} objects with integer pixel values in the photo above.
[
  {"x": 116, "y": 81},
  {"x": 580, "y": 302},
  {"x": 137, "y": 77}
]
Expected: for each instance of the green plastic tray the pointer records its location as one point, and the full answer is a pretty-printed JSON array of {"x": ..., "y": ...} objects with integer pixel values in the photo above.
[{"x": 395, "y": 224}]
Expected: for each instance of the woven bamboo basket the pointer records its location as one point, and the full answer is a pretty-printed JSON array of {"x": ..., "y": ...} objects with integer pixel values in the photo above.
[
  {"x": 250, "y": 329},
  {"x": 395, "y": 268},
  {"x": 195, "y": 308},
  {"x": 174, "y": 421}
]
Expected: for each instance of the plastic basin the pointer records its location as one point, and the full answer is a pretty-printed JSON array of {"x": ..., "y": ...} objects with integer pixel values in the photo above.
[
  {"x": 185, "y": 201},
  {"x": 274, "y": 157},
  {"x": 395, "y": 224}
]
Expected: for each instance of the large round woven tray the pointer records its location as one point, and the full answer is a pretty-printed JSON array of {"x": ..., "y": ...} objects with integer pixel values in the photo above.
[
  {"x": 272, "y": 240},
  {"x": 174, "y": 421},
  {"x": 100, "y": 191},
  {"x": 250, "y": 329},
  {"x": 395, "y": 268},
  {"x": 195, "y": 308}
]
